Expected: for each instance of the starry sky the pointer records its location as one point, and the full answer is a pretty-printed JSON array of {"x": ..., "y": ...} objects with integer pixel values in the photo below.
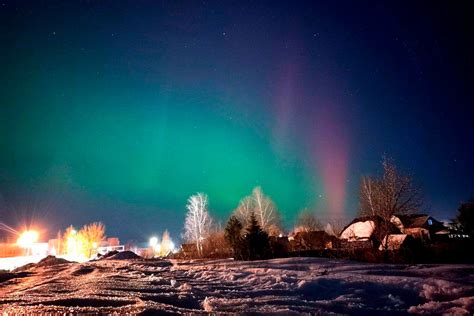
[{"x": 118, "y": 111}]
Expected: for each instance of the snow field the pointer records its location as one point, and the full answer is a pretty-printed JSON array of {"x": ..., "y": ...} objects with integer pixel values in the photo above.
[{"x": 282, "y": 286}]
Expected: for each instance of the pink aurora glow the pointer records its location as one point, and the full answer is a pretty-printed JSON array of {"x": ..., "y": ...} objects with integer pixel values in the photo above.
[{"x": 330, "y": 151}]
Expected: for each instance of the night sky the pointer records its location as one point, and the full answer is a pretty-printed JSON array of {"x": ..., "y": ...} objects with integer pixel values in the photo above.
[{"x": 119, "y": 111}]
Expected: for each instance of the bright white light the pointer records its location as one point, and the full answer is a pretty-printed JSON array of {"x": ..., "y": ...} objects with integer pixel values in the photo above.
[
  {"x": 39, "y": 249},
  {"x": 28, "y": 239},
  {"x": 153, "y": 242}
]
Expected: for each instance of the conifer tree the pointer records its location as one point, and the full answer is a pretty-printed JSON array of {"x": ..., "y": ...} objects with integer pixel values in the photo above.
[
  {"x": 233, "y": 235},
  {"x": 256, "y": 240}
]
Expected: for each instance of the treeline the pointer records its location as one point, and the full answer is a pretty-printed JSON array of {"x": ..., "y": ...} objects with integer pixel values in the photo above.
[
  {"x": 249, "y": 233},
  {"x": 254, "y": 229}
]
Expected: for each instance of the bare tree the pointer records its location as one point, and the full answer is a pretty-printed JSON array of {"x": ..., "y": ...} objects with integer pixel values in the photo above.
[
  {"x": 334, "y": 227},
  {"x": 91, "y": 236},
  {"x": 245, "y": 208},
  {"x": 198, "y": 221},
  {"x": 264, "y": 209},
  {"x": 216, "y": 246},
  {"x": 166, "y": 246},
  {"x": 391, "y": 194},
  {"x": 274, "y": 230},
  {"x": 69, "y": 242},
  {"x": 307, "y": 222},
  {"x": 368, "y": 195}
]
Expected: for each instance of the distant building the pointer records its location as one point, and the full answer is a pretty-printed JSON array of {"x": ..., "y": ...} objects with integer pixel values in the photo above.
[
  {"x": 113, "y": 242},
  {"x": 10, "y": 250},
  {"x": 312, "y": 240},
  {"x": 420, "y": 226},
  {"x": 366, "y": 232},
  {"x": 110, "y": 244},
  {"x": 13, "y": 250}
]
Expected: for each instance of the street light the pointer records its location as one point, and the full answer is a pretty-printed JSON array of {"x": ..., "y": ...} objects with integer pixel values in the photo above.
[
  {"x": 154, "y": 244},
  {"x": 27, "y": 240}
]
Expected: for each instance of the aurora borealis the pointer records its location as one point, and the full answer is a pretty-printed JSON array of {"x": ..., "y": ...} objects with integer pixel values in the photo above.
[{"x": 118, "y": 111}]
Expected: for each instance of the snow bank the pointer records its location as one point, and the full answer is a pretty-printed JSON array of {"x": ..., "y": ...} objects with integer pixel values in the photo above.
[{"x": 461, "y": 306}]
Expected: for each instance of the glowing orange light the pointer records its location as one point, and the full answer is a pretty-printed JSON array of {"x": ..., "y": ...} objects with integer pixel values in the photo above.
[{"x": 28, "y": 239}]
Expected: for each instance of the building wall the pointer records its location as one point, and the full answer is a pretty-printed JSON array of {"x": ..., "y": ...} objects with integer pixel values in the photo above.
[{"x": 10, "y": 250}]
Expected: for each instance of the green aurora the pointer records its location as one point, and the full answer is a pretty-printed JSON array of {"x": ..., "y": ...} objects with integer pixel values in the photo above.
[{"x": 154, "y": 149}]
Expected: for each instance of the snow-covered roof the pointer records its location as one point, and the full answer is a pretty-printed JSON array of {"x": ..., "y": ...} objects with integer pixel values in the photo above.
[{"x": 358, "y": 230}]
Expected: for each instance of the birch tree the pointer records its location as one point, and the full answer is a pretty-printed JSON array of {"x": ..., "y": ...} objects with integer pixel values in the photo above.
[
  {"x": 198, "y": 221},
  {"x": 243, "y": 211},
  {"x": 368, "y": 196},
  {"x": 264, "y": 209}
]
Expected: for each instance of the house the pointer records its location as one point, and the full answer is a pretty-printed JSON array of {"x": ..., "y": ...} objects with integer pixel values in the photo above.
[
  {"x": 420, "y": 226},
  {"x": 311, "y": 240},
  {"x": 110, "y": 244},
  {"x": 366, "y": 232}
]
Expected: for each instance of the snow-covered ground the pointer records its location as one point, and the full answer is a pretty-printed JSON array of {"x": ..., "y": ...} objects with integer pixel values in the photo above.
[
  {"x": 11, "y": 263},
  {"x": 286, "y": 286}
]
